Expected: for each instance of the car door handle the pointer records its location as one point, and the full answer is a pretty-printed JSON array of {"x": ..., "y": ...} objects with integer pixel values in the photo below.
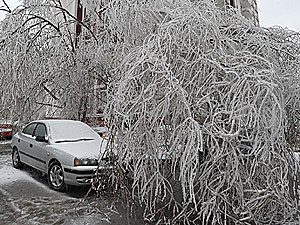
[{"x": 30, "y": 145}]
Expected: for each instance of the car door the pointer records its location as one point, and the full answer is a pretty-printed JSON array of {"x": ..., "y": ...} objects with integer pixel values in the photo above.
[
  {"x": 25, "y": 144},
  {"x": 39, "y": 148}
]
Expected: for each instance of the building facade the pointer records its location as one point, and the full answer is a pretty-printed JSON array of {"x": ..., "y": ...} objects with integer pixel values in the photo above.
[
  {"x": 248, "y": 8},
  {"x": 76, "y": 9}
]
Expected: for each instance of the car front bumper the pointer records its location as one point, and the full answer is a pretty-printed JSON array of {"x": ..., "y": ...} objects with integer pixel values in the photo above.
[{"x": 83, "y": 175}]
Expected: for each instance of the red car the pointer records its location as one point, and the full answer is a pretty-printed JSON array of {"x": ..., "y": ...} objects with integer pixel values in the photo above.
[{"x": 6, "y": 130}]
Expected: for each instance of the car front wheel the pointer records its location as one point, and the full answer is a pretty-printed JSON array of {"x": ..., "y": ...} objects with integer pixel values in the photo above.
[
  {"x": 16, "y": 159},
  {"x": 56, "y": 177}
]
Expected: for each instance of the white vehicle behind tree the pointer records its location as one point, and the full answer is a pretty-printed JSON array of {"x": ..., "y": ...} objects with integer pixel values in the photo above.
[{"x": 67, "y": 151}]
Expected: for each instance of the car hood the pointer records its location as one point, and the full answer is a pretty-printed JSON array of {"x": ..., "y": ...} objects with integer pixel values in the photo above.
[{"x": 82, "y": 149}]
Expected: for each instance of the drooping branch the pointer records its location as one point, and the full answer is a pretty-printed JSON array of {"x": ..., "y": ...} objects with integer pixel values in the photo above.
[
  {"x": 49, "y": 92},
  {"x": 65, "y": 11},
  {"x": 5, "y": 8}
]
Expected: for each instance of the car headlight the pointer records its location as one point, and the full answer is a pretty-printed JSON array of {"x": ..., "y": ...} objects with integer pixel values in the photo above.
[{"x": 85, "y": 162}]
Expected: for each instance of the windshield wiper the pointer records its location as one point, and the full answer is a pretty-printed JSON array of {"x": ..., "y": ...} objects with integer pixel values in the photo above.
[{"x": 82, "y": 139}]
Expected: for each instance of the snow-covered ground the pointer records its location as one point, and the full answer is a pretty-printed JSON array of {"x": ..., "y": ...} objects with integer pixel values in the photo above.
[
  {"x": 11, "y": 175},
  {"x": 5, "y": 142},
  {"x": 25, "y": 198}
]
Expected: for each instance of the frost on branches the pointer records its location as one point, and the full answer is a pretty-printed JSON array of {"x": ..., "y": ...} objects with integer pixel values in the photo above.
[
  {"x": 43, "y": 72},
  {"x": 201, "y": 111},
  {"x": 203, "y": 107}
]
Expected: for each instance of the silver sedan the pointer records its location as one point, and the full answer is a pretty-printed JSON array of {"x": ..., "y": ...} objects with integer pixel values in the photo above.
[{"x": 67, "y": 151}]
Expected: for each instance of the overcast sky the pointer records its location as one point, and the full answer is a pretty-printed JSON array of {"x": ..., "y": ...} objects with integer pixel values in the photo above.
[
  {"x": 285, "y": 13},
  {"x": 11, "y": 3}
]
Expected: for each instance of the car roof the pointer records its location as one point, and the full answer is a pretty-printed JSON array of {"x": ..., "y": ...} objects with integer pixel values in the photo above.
[{"x": 56, "y": 121}]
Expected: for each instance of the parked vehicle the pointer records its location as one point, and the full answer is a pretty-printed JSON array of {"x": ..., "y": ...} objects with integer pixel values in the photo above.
[
  {"x": 67, "y": 151},
  {"x": 6, "y": 130}
]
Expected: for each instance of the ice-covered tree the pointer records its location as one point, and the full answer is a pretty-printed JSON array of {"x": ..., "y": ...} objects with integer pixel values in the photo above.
[
  {"x": 203, "y": 107},
  {"x": 43, "y": 72}
]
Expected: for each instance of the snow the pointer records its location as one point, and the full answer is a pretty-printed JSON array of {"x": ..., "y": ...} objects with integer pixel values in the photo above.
[
  {"x": 297, "y": 156},
  {"x": 68, "y": 136},
  {"x": 70, "y": 130},
  {"x": 10, "y": 175},
  {"x": 82, "y": 149},
  {"x": 5, "y": 142}
]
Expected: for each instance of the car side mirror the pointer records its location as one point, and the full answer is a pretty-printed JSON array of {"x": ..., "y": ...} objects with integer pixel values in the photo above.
[{"x": 41, "y": 139}]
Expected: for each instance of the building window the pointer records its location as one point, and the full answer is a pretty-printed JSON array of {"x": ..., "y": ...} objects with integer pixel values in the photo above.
[{"x": 232, "y": 3}]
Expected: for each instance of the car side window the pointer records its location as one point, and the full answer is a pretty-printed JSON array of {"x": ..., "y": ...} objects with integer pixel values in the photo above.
[
  {"x": 40, "y": 130},
  {"x": 29, "y": 129}
]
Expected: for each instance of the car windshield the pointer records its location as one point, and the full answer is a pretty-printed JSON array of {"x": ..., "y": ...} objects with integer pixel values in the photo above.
[{"x": 71, "y": 131}]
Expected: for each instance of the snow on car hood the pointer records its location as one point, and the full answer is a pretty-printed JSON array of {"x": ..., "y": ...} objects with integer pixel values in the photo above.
[
  {"x": 70, "y": 130},
  {"x": 83, "y": 149}
]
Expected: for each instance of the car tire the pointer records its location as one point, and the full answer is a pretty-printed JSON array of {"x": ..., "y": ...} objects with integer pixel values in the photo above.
[
  {"x": 16, "y": 161},
  {"x": 56, "y": 177}
]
